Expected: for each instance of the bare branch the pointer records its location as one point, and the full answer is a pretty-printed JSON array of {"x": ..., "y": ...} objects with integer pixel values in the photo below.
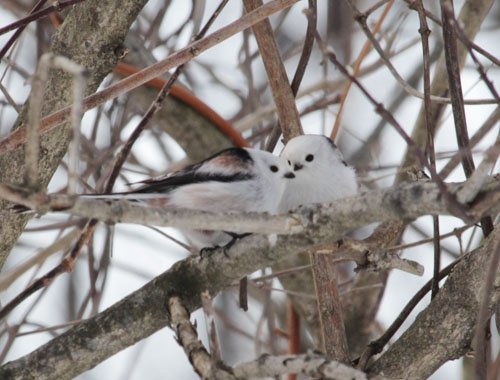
[
  {"x": 310, "y": 364},
  {"x": 471, "y": 16},
  {"x": 278, "y": 80},
  {"x": 318, "y": 222},
  {"x": 187, "y": 337},
  {"x": 38, "y": 14},
  {"x": 403, "y": 202},
  {"x": 329, "y": 307}
]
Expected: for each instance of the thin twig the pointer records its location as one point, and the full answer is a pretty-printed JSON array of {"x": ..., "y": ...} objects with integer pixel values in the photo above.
[
  {"x": 80, "y": 74},
  {"x": 487, "y": 126},
  {"x": 213, "y": 340},
  {"x": 455, "y": 232},
  {"x": 361, "y": 19},
  {"x": 48, "y": 61},
  {"x": 18, "y": 32},
  {"x": 430, "y": 126},
  {"x": 34, "y": 114},
  {"x": 8, "y": 277},
  {"x": 461, "y": 35},
  {"x": 37, "y": 14},
  {"x": 457, "y": 104},
  {"x": 455, "y": 85},
  {"x": 357, "y": 65}
]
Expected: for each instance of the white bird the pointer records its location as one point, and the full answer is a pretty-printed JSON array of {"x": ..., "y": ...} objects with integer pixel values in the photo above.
[
  {"x": 233, "y": 180},
  {"x": 321, "y": 174}
]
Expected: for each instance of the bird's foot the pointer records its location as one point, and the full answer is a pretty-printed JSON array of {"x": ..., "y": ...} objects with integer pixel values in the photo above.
[{"x": 208, "y": 251}]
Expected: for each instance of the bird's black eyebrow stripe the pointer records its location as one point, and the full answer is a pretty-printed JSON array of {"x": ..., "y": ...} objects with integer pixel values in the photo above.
[
  {"x": 170, "y": 183},
  {"x": 240, "y": 153},
  {"x": 330, "y": 141}
]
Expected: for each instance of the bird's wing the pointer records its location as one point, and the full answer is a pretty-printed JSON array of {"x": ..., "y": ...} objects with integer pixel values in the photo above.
[{"x": 233, "y": 164}]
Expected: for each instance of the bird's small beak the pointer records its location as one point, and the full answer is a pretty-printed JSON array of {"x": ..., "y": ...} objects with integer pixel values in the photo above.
[
  {"x": 297, "y": 167},
  {"x": 289, "y": 175}
]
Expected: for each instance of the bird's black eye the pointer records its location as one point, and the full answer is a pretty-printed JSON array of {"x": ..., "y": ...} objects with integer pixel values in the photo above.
[
  {"x": 273, "y": 168},
  {"x": 289, "y": 163},
  {"x": 309, "y": 157}
]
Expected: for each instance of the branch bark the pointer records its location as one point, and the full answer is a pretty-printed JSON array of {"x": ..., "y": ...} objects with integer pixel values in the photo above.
[
  {"x": 187, "y": 336},
  {"x": 310, "y": 364},
  {"x": 329, "y": 307},
  {"x": 406, "y": 202}
]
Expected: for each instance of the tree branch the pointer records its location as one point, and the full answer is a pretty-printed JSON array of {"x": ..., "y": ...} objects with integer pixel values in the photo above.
[
  {"x": 187, "y": 336},
  {"x": 406, "y": 201},
  {"x": 311, "y": 364},
  {"x": 278, "y": 80}
]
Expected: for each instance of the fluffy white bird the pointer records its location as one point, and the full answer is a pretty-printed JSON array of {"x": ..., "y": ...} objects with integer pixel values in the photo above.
[
  {"x": 321, "y": 174},
  {"x": 233, "y": 180}
]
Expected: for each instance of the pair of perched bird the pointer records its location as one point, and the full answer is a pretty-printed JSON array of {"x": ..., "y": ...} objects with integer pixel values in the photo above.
[{"x": 309, "y": 170}]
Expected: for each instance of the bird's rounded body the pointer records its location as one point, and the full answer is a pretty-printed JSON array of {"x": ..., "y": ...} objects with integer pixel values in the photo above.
[{"x": 233, "y": 180}]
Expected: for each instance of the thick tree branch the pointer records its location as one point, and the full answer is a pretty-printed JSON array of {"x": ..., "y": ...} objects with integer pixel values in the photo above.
[
  {"x": 311, "y": 364},
  {"x": 406, "y": 201}
]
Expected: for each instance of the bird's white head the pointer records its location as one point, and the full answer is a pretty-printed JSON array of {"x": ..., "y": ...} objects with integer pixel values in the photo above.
[
  {"x": 270, "y": 166},
  {"x": 321, "y": 173}
]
